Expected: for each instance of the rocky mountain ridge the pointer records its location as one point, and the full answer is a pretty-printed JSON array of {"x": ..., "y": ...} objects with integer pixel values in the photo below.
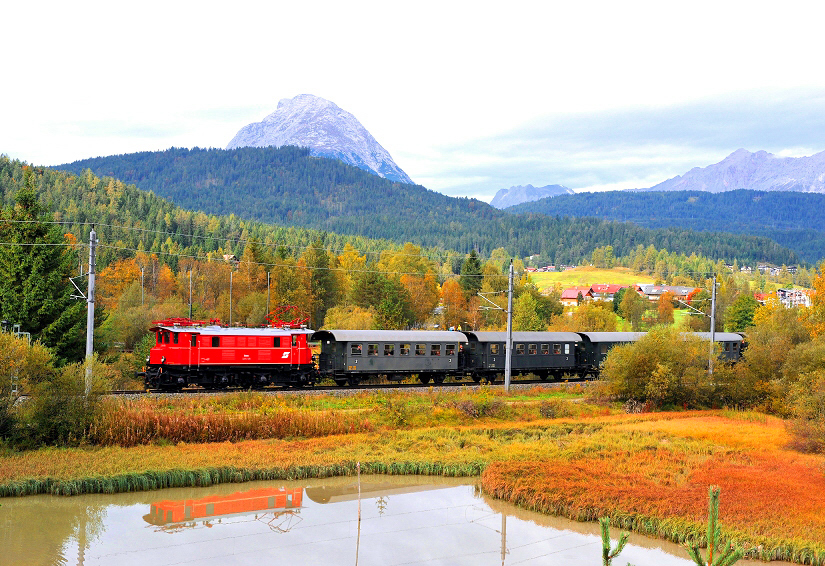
[
  {"x": 760, "y": 171},
  {"x": 527, "y": 193},
  {"x": 327, "y": 130}
]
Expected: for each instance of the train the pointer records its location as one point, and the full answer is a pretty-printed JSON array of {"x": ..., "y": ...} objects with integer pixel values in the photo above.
[{"x": 216, "y": 357}]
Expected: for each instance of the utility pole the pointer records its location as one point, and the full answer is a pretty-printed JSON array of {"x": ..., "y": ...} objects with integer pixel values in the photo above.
[
  {"x": 712, "y": 325},
  {"x": 231, "y": 273},
  {"x": 268, "y": 310},
  {"x": 508, "y": 357},
  {"x": 141, "y": 285},
  {"x": 190, "y": 294},
  {"x": 90, "y": 310}
]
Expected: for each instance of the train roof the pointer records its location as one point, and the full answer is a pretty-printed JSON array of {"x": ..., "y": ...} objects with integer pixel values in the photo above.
[
  {"x": 524, "y": 336},
  {"x": 390, "y": 335},
  {"x": 718, "y": 336},
  {"x": 233, "y": 331},
  {"x": 612, "y": 336}
]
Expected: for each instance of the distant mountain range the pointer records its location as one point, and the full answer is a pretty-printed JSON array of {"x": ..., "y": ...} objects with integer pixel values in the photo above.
[
  {"x": 760, "y": 171},
  {"x": 527, "y": 193},
  {"x": 289, "y": 187},
  {"x": 327, "y": 130}
]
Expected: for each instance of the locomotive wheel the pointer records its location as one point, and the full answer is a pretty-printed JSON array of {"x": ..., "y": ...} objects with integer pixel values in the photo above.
[
  {"x": 476, "y": 378},
  {"x": 340, "y": 382},
  {"x": 438, "y": 379},
  {"x": 543, "y": 376},
  {"x": 425, "y": 379}
]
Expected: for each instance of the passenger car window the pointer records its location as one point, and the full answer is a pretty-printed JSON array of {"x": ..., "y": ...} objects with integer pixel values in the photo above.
[
  {"x": 557, "y": 348},
  {"x": 389, "y": 349},
  {"x": 494, "y": 349},
  {"x": 567, "y": 348},
  {"x": 372, "y": 349},
  {"x": 405, "y": 349},
  {"x": 531, "y": 349},
  {"x": 435, "y": 349},
  {"x": 519, "y": 349},
  {"x": 545, "y": 349},
  {"x": 449, "y": 350},
  {"x": 420, "y": 349},
  {"x": 355, "y": 349}
]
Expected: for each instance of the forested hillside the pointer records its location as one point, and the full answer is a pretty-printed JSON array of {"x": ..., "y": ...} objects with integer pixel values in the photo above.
[
  {"x": 794, "y": 220},
  {"x": 289, "y": 187}
]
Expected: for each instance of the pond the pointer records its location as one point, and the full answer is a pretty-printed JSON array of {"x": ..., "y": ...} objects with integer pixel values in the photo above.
[{"x": 404, "y": 520}]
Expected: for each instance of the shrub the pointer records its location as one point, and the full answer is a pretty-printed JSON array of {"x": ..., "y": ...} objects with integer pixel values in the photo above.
[
  {"x": 59, "y": 412},
  {"x": 664, "y": 367},
  {"x": 556, "y": 408}
]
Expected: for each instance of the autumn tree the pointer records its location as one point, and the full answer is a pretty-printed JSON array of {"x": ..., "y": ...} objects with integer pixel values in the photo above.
[
  {"x": 664, "y": 308},
  {"x": 454, "y": 304},
  {"x": 633, "y": 308}
]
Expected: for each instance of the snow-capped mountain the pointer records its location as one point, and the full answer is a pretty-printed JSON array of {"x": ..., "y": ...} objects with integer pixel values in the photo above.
[
  {"x": 761, "y": 171},
  {"x": 327, "y": 130},
  {"x": 527, "y": 193}
]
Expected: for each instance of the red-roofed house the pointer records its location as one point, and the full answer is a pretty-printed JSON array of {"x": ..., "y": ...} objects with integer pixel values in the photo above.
[{"x": 570, "y": 297}]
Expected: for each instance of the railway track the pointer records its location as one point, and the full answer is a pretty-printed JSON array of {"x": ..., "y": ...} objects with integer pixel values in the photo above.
[{"x": 521, "y": 383}]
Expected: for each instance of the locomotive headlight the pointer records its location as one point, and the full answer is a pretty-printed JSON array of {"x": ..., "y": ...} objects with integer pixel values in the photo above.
[
  {"x": 147, "y": 359},
  {"x": 163, "y": 359}
]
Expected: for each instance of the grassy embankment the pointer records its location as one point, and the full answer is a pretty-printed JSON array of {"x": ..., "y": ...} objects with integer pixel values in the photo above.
[
  {"x": 648, "y": 472},
  {"x": 584, "y": 276}
]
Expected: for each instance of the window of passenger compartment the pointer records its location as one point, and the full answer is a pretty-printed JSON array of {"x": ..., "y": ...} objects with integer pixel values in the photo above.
[
  {"x": 372, "y": 349},
  {"x": 435, "y": 349},
  {"x": 494, "y": 349},
  {"x": 355, "y": 349},
  {"x": 449, "y": 350},
  {"x": 389, "y": 349},
  {"x": 405, "y": 349},
  {"x": 519, "y": 349},
  {"x": 420, "y": 349},
  {"x": 545, "y": 349},
  {"x": 531, "y": 349},
  {"x": 557, "y": 348}
]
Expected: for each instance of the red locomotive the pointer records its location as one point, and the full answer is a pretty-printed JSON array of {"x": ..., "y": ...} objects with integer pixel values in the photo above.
[{"x": 211, "y": 356}]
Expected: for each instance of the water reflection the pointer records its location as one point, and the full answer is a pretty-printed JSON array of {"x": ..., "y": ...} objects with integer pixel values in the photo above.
[{"x": 404, "y": 520}]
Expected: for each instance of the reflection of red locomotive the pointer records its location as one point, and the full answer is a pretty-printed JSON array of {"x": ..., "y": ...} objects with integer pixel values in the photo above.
[
  {"x": 195, "y": 353},
  {"x": 169, "y": 513}
]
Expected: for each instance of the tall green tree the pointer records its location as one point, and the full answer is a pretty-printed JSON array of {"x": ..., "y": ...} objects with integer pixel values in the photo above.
[
  {"x": 35, "y": 265},
  {"x": 471, "y": 275}
]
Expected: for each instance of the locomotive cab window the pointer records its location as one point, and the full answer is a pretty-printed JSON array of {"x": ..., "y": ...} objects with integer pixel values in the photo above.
[
  {"x": 175, "y": 338},
  {"x": 389, "y": 349},
  {"x": 294, "y": 340},
  {"x": 165, "y": 337},
  {"x": 355, "y": 349},
  {"x": 194, "y": 340},
  {"x": 372, "y": 349},
  {"x": 420, "y": 349},
  {"x": 531, "y": 349},
  {"x": 160, "y": 337},
  {"x": 545, "y": 349},
  {"x": 435, "y": 350},
  {"x": 405, "y": 349},
  {"x": 449, "y": 350},
  {"x": 276, "y": 342},
  {"x": 494, "y": 349},
  {"x": 519, "y": 349},
  {"x": 216, "y": 341}
]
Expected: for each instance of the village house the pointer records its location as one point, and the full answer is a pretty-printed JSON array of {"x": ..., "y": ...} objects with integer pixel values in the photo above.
[
  {"x": 570, "y": 297},
  {"x": 653, "y": 292}
]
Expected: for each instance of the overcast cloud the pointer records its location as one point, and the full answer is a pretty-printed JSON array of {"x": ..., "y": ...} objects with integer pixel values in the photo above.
[{"x": 468, "y": 97}]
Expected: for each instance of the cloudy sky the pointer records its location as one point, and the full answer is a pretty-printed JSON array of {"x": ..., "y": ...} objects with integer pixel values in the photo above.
[{"x": 468, "y": 97}]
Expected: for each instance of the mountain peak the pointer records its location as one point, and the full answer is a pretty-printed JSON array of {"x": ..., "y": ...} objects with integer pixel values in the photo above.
[
  {"x": 526, "y": 193},
  {"x": 327, "y": 130},
  {"x": 759, "y": 171}
]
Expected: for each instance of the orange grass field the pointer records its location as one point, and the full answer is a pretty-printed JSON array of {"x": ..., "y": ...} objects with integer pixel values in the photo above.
[{"x": 649, "y": 473}]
